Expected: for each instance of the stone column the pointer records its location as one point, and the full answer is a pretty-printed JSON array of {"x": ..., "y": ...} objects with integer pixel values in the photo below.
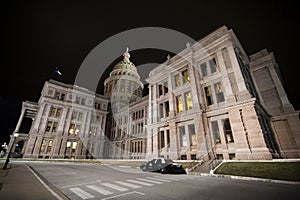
[
  {"x": 20, "y": 120},
  {"x": 37, "y": 146},
  {"x": 225, "y": 79},
  {"x": 172, "y": 102},
  {"x": 243, "y": 92},
  {"x": 174, "y": 147}
]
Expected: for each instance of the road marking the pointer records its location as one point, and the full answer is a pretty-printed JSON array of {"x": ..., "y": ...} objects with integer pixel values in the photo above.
[
  {"x": 87, "y": 183},
  {"x": 151, "y": 181},
  {"x": 128, "y": 184},
  {"x": 168, "y": 178},
  {"x": 115, "y": 187},
  {"x": 99, "y": 189},
  {"x": 81, "y": 193},
  {"x": 119, "y": 195},
  {"x": 159, "y": 179},
  {"x": 139, "y": 182}
]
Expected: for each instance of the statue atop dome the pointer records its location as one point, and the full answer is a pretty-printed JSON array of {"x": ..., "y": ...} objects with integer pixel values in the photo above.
[{"x": 126, "y": 55}]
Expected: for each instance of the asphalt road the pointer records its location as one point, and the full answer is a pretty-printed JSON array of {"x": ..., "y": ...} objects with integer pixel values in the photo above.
[{"x": 92, "y": 181}]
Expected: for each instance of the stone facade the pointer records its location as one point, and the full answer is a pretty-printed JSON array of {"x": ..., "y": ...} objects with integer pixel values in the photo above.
[{"x": 211, "y": 101}]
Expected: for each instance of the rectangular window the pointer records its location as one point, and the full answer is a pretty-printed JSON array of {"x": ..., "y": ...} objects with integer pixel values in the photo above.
[
  {"x": 215, "y": 132},
  {"x": 59, "y": 96},
  {"x": 80, "y": 116},
  {"x": 219, "y": 92},
  {"x": 188, "y": 101},
  {"x": 177, "y": 80},
  {"x": 168, "y": 138},
  {"x": 179, "y": 104},
  {"x": 49, "y": 146},
  {"x": 54, "y": 127},
  {"x": 74, "y": 146},
  {"x": 166, "y": 87},
  {"x": 51, "y": 126},
  {"x": 167, "y": 108},
  {"x": 160, "y": 90},
  {"x": 208, "y": 95},
  {"x": 227, "y": 130},
  {"x": 43, "y": 146},
  {"x": 162, "y": 139},
  {"x": 192, "y": 134},
  {"x": 68, "y": 146},
  {"x": 58, "y": 112},
  {"x": 185, "y": 75},
  {"x": 203, "y": 69},
  {"x": 52, "y": 112},
  {"x": 213, "y": 65},
  {"x": 182, "y": 136},
  {"x": 72, "y": 129}
]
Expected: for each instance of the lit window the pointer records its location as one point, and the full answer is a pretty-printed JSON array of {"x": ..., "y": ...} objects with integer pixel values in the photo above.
[
  {"x": 74, "y": 146},
  {"x": 68, "y": 146},
  {"x": 72, "y": 129},
  {"x": 188, "y": 100},
  {"x": 185, "y": 75},
  {"x": 179, "y": 104},
  {"x": 219, "y": 92},
  {"x": 49, "y": 147},
  {"x": 177, "y": 80},
  {"x": 208, "y": 95},
  {"x": 227, "y": 130},
  {"x": 203, "y": 69},
  {"x": 182, "y": 134},
  {"x": 43, "y": 146},
  {"x": 215, "y": 132}
]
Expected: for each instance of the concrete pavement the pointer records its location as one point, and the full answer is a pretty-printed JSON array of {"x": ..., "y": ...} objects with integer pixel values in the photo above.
[{"x": 21, "y": 182}]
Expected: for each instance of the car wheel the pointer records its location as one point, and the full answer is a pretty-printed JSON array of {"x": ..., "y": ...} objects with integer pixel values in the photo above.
[{"x": 163, "y": 171}]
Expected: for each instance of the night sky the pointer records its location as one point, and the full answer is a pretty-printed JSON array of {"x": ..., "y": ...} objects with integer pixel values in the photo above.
[{"x": 38, "y": 36}]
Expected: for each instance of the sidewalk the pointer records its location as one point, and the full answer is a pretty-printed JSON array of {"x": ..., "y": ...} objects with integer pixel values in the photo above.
[{"x": 20, "y": 182}]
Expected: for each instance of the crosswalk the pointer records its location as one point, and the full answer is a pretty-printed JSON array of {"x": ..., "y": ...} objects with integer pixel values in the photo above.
[{"x": 106, "y": 189}]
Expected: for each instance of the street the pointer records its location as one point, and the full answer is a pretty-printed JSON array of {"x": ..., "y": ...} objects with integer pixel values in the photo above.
[{"x": 94, "y": 181}]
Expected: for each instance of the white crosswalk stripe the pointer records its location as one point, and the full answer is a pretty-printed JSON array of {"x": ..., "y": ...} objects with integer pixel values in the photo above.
[
  {"x": 128, "y": 184},
  {"x": 159, "y": 179},
  {"x": 81, "y": 193},
  {"x": 167, "y": 178},
  {"x": 151, "y": 181},
  {"x": 99, "y": 189},
  {"x": 116, "y": 187},
  {"x": 140, "y": 182}
]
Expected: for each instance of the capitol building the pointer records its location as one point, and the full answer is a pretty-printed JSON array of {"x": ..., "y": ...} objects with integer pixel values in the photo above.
[{"x": 211, "y": 101}]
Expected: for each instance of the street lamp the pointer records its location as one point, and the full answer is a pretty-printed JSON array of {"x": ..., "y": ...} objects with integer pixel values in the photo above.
[{"x": 7, "y": 158}]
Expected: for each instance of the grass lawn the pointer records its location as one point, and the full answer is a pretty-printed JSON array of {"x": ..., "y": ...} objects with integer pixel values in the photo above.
[{"x": 271, "y": 170}]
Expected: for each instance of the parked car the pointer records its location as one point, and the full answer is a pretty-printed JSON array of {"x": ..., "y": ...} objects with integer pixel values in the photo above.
[
  {"x": 163, "y": 165},
  {"x": 16, "y": 155}
]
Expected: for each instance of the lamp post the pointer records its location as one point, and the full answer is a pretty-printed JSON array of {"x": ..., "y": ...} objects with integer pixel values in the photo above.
[{"x": 7, "y": 158}]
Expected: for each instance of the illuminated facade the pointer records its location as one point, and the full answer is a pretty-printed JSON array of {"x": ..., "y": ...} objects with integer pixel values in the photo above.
[{"x": 211, "y": 101}]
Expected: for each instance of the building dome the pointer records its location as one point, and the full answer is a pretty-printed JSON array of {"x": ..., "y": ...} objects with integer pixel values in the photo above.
[{"x": 123, "y": 84}]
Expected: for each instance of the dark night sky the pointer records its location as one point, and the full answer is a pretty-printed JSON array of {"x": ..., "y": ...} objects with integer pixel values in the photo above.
[{"x": 37, "y": 36}]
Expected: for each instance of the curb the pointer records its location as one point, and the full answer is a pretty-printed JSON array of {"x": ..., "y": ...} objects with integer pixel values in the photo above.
[{"x": 245, "y": 178}]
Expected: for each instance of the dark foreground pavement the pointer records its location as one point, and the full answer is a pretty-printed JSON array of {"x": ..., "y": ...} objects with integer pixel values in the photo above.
[{"x": 20, "y": 182}]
